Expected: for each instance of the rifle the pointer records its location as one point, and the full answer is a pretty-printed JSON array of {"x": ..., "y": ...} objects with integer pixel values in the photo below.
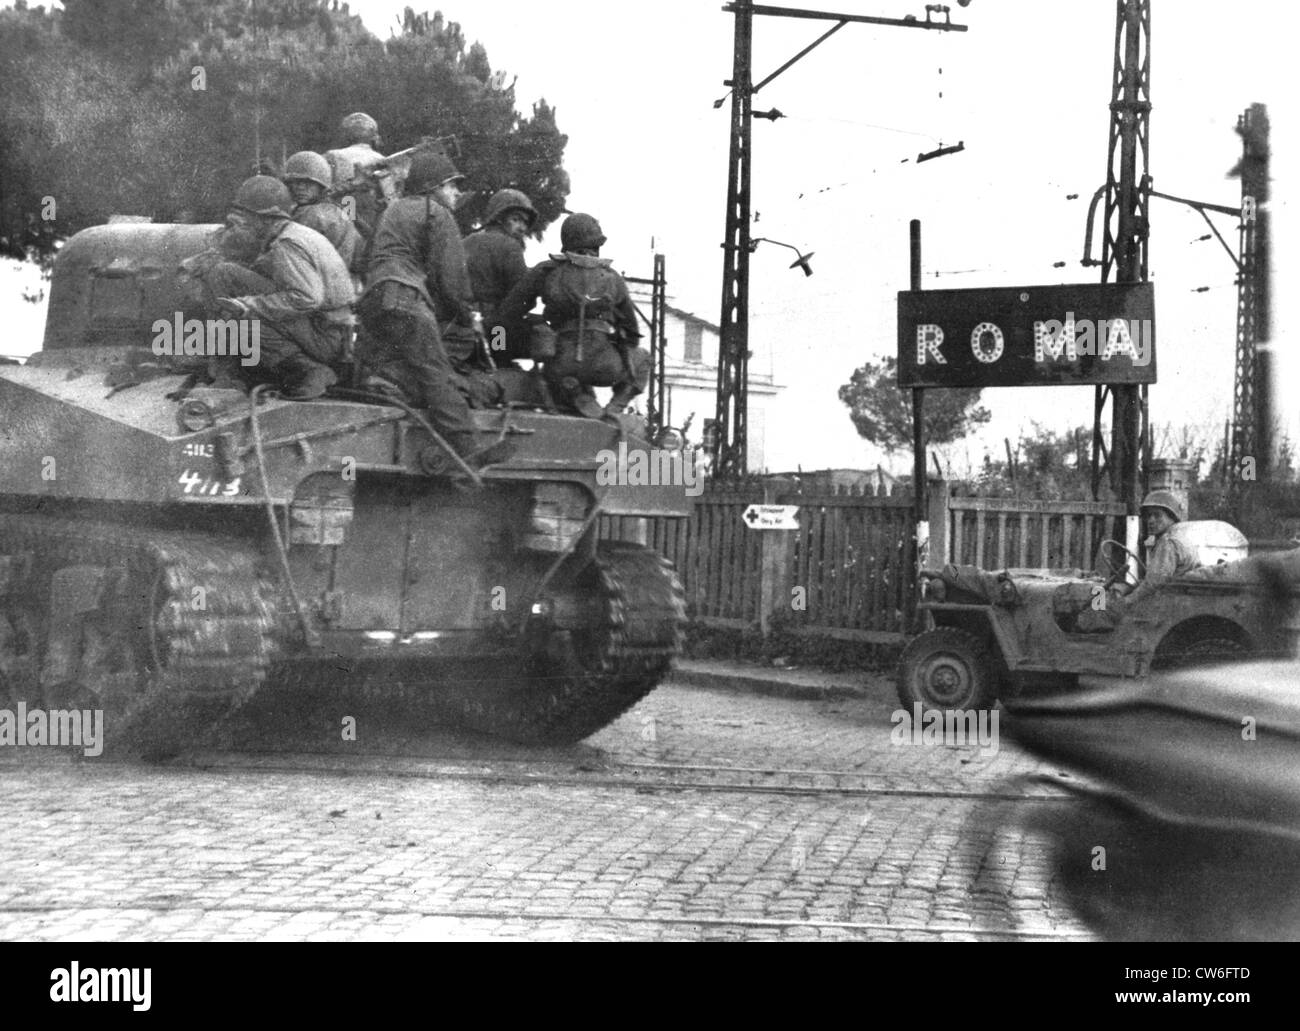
[{"x": 386, "y": 177}]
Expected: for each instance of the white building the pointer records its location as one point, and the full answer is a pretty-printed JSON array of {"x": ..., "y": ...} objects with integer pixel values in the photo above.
[{"x": 691, "y": 376}]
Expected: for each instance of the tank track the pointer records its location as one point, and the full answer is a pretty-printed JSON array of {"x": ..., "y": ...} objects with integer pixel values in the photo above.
[
  {"x": 202, "y": 661},
  {"x": 583, "y": 685}
]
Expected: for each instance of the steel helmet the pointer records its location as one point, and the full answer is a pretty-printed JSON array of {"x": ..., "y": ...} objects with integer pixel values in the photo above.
[
  {"x": 264, "y": 195},
  {"x": 309, "y": 165},
  {"x": 1167, "y": 500},
  {"x": 429, "y": 170},
  {"x": 505, "y": 201},
  {"x": 581, "y": 232},
  {"x": 359, "y": 127}
]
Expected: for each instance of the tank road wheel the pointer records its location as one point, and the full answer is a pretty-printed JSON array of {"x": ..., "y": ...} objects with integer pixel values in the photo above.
[
  {"x": 19, "y": 647},
  {"x": 95, "y": 657},
  {"x": 583, "y": 680},
  {"x": 164, "y": 632},
  {"x": 947, "y": 668}
]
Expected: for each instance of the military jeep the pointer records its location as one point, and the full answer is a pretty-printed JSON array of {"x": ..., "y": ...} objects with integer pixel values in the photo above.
[{"x": 1019, "y": 630}]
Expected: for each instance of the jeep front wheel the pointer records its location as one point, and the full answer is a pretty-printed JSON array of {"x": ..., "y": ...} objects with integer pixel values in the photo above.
[{"x": 947, "y": 668}]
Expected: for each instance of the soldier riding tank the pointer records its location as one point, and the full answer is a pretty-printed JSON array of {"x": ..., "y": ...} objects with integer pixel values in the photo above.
[{"x": 167, "y": 549}]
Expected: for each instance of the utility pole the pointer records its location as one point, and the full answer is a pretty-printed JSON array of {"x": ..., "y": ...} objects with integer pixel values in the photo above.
[
  {"x": 659, "y": 341},
  {"x": 731, "y": 447},
  {"x": 1127, "y": 232},
  {"x": 656, "y": 397},
  {"x": 730, "y": 458}
]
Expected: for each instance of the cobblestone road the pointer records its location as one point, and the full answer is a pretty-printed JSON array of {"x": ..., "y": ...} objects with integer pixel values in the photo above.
[{"x": 289, "y": 832}]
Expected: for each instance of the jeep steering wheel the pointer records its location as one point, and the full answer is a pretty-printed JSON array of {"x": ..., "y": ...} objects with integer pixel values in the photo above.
[{"x": 1118, "y": 572}]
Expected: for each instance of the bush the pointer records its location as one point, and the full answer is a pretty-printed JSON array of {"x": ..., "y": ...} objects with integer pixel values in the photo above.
[{"x": 783, "y": 647}]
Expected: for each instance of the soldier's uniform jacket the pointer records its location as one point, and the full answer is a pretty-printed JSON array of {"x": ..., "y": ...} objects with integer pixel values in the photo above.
[
  {"x": 496, "y": 263},
  {"x": 417, "y": 244},
  {"x": 562, "y": 281},
  {"x": 328, "y": 219},
  {"x": 311, "y": 280},
  {"x": 1171, "y": 557}
]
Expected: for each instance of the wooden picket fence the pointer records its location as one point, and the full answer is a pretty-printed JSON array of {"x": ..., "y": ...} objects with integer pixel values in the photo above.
[
  {"x": 994, "y": 533},
  {"x": 846, "y": 572},
  {"x": 854, "y": 556}
]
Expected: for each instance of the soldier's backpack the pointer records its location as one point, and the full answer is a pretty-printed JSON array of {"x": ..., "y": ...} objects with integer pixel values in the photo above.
[{"x": 580, "y": 295}]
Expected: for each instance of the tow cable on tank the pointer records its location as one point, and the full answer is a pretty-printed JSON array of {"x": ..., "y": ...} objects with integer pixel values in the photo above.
[
  {"x": 310, "y": 637},
  {"x": 559, "y": 561}
]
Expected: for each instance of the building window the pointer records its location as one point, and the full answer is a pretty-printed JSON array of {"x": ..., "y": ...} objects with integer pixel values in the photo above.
[{"x": 694, "y": 342}]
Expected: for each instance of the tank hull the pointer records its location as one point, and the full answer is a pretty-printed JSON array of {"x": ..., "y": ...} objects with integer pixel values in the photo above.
[{"x": 170, "y": 546}]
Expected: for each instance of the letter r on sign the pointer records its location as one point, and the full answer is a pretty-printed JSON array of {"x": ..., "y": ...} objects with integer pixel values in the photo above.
[{"x": 928, "y": 339}]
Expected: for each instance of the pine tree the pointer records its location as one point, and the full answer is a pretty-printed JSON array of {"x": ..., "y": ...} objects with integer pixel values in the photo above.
[
  {"x": 882, "y": 411},
  {"x": 162, "y": 107}
]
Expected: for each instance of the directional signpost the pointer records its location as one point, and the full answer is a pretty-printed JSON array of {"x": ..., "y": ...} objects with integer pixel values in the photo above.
[
  {"x": 778, "y": 550},
  {"x": 772, "y": 517}
]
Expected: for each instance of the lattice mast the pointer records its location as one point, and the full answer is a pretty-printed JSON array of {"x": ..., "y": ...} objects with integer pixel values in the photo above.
[
  {"x": 1124, "y": 246},
  {"x": 1251, "y": 398},
  {"x": 732, "y": 418}
]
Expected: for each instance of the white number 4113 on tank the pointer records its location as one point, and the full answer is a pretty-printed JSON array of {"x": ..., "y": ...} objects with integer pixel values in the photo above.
[{"x": 196, "y": 484}]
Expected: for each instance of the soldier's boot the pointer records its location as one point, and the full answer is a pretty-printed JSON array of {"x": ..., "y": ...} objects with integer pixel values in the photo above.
[
  {"x": 623, "y": 395},
  {"x": 579, "y": 398},
  {"x": 310, "y": 381},
  {"x": 306, "y": 380},
  {"x": 376, "y": 384},
  {"x": 222, "y": 376},
  {"x": 543, "y": 389}
]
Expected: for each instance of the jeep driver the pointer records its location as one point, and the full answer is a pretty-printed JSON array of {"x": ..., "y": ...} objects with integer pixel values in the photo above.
[{"x": 1167, "y": 557}]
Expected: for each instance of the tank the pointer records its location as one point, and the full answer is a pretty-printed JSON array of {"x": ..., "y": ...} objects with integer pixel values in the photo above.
[{"x": 170, "y": 549}]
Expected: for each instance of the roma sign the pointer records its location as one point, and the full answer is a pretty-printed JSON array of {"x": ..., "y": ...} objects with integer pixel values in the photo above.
[{"x": 1027, "y": 336}]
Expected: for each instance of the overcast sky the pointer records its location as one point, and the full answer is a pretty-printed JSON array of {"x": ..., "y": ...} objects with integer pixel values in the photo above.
[{"x": 1026, "y": 89}]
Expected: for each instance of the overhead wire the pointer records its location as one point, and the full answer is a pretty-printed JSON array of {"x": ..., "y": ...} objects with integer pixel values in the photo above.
[
  {"x": 1070, "y": 192},
  {"x": 866, "y": 125}
]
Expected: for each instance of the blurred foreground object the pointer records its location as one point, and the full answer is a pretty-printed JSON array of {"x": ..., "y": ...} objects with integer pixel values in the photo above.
[{"x": 1192, "y": 789}]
